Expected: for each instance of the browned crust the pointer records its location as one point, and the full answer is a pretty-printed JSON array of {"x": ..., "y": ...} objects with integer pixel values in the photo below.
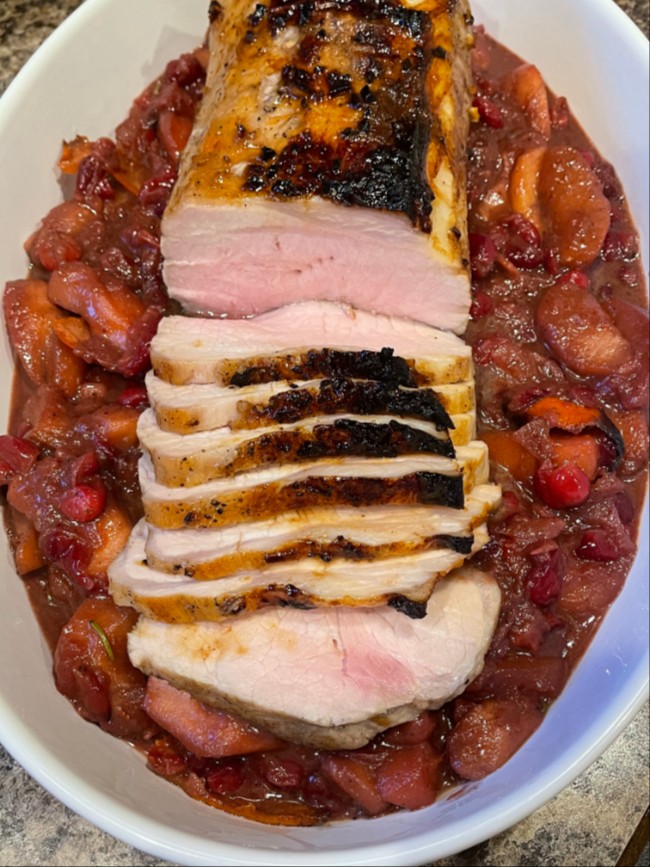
[
  {"x": 339, "y": 548},
  {"x": 265, "y": 501}
]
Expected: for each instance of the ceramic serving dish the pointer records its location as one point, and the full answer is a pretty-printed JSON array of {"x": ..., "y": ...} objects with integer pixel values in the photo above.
[{"x": 83, "y": 80}]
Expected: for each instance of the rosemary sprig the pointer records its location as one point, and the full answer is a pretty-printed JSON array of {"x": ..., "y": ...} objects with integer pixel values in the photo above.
[{"x": 104, "y": 639}]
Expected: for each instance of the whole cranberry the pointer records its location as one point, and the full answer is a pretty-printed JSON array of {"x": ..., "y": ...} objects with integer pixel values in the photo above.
[
  {"x": 84, "y": 502},
  {"x": 229, "y": 777},
  {"x": 283, "y": 773},
  {"x": 598, "y": 546},
  {"x": 16, "y": 456},
  {"x": 523, "y": 242},
  {"x": 482, "y": 254},
  {"x": 544, "y": 584},
  {"x": 488, "y": 111},
  {"x": 562, "y": 487},
  {"x": 133, "y": 396},
  {"x": 481, "y": 306}
]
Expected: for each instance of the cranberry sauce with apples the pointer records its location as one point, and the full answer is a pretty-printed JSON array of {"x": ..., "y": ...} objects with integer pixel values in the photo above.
[{"x": 559, "y": 332}]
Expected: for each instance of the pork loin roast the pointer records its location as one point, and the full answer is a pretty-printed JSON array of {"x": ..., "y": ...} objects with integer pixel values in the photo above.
[
  {"x": 325, "y": 677},
  {"x": 196, "y": 458},
  {"x": 311, "y": 481},
  {"x": 403, "y": 582},
  {"x": 327, "y": 161},
  {"x": 286, "y": 344},
  {"x": 327, "y": 532}
]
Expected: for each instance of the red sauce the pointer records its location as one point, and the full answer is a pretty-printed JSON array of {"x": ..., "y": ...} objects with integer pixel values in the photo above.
[{"x": 567, "y": 425}]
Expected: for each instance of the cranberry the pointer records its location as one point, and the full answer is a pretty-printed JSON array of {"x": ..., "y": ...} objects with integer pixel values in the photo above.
[
  {"x": 488, "y": 111},
  {"x": 60, "y": 546},
  {"x": 481, "y": 306},
  {"x": 156, "y": 191},
  {"x": 523, "y": 246},
  {"x": 83, "y": 467},
  {"x": 483, "y": 254},
  {"x": 116, "y": 263},
  {"x": 620, "y": 244},
  {"x": 164, "y": 760},
  {"x": 599, "y": 546},
  {"x": 134, "y": 396},
  {"x": 578, "y": 278},
  {"x": 552, "y": 261},
  {"x": 93, "y": 180},
  {"x": 283, "y": 773},
  {"x": 562, "y": 487},
  {"x": 184, "y": 71},
  {"x": 544, "y": 584},
  {"x": 84, "y": 502},
  {"x": 229, "y": 777},
  {"x": 485, "y": 348},
  {"x": 16, "y": 456}
]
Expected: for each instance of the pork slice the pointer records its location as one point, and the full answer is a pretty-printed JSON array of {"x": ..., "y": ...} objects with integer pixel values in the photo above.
[
  {"x": 193, "y": 459},
  {"x": 287, "y": 344},
  {"x": 262, "y": 493},
  {"x": 326, "y": 533},
  {"x": 192, "y": 408},
  {"x": 404, "y": 582},
  {"x": 325, "y": 164},
  {"x": 329, "y": 678}
]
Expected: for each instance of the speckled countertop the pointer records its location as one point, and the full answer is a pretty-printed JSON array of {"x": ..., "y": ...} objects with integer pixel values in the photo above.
[{"x": 590, "y": 822}]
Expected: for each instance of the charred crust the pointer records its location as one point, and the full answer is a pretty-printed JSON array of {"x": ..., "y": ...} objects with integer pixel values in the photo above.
[
  {"x": 344, "y": 438},
  {"x": 459, "y": 544},
  {"x": 286, "y": 596},
  {"x": 423, "y": 488},
  {"x": 438, "y": 489},
  {"x": 334, "y": 396},
  {"x": 302, "y": 12},
  {"x": 338, "y": 83},
  {"x": 214, "y": 11},
  {"x": 383, "y": 366},
  {"x": 257, "y": 16},
  {"x": 379, "y": 161},
  {"x": 347, "y": 437},
  {"x": 412, "y": 609},
  {"x": 342, "y": 548}
]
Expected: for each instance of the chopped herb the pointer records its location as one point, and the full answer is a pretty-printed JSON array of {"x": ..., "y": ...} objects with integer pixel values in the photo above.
[{"x": 104, "y": 639}]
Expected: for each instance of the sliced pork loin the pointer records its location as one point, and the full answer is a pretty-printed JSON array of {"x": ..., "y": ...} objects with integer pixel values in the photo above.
[
  {"x": 187, "y": 409},
  {"x": 262, "y": 493},
  {"x": 330, "y": 678},
  {"x": 327, "y": 533},
  {"x": 326, "y": 163},
  {"x": 405, "y": 583},
  {"x": 287, "y": 344},
  {"x": 196, "y": 458}
]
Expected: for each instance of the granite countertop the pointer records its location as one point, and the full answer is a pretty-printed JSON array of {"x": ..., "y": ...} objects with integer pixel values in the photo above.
[{"x": 588, "y": 823}]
